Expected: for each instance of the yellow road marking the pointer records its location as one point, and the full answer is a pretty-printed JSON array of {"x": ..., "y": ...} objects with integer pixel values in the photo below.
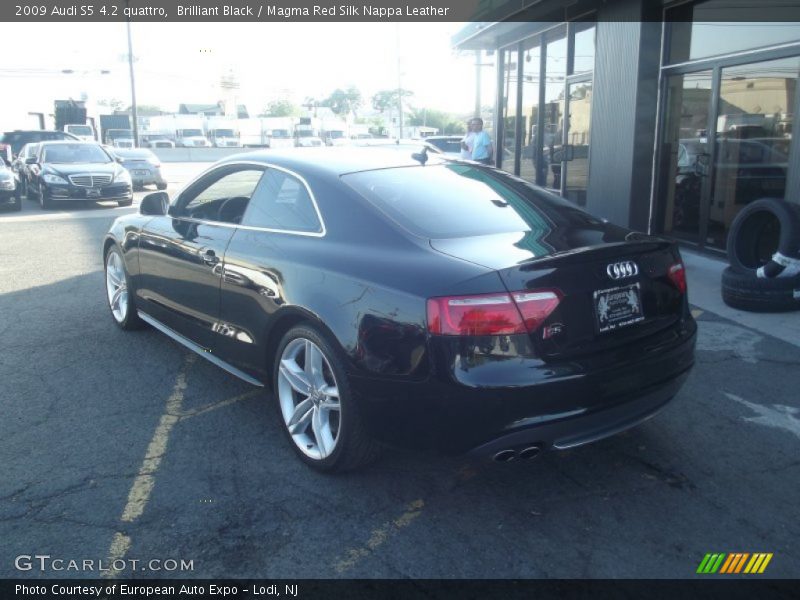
[
  {"x": 208, "y": 408},
  {"x": 142, "y": 486},
  {"x": 379, "y": 536}
]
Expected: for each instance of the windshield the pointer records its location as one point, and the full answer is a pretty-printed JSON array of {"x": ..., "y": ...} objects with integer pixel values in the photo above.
[
  {"x": 450, "y": 201},
  {"x": 280, "y": 133},
  {"x": 119, "y": 133},
  {"x": 305, "y": 133},
  {"x": 224, "y": 133},
  {"x": 80, "y": 129},
  {"x": 74, "y": 153},
  {"x": 335, "y": 135},
  {"x": 191, "y": 133}
]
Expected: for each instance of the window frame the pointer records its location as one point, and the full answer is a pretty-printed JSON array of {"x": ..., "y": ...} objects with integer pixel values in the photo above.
[
  {"x": 303, "y": 183},
  {"x": 177, "y": 203}
]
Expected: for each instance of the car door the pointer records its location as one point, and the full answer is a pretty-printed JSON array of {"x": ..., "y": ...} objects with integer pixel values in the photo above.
[
  {"x": 261, "y": 268},
  {"x": 181, "y": 253}
]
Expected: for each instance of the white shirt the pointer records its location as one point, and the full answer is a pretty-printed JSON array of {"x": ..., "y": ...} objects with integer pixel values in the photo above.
[{"x": 468, "y": 140}]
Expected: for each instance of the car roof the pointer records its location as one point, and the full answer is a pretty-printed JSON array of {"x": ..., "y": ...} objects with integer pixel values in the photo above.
[
  {"x": 335, "y": 161},
  {"x": 65, "y": 142}
]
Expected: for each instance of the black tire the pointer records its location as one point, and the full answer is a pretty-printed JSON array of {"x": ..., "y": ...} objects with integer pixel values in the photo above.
[
  {"x": 131, "y": 320},
  {"x": 44, "y": 200},
  {"x": 354, "y": 447},
  {"x": 161, "y": 186},
  {"x": 125, "y": 202},
  {"x": 748, "y": 292},
  {"x": 759, "y": 230}
]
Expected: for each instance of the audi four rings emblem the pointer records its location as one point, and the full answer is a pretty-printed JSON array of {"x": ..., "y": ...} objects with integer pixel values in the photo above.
[{"x": 621, "y": 270}]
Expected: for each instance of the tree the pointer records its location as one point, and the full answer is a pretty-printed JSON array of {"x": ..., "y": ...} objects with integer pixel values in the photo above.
[
  {"x": 446, "y": 123},
  {"x": 113, "y": 103},
  {"x": 280, "y": 108},
  {"x": 343, "y": 102},
  {"x": 146, "y": 110},
  {"x": 389, "y": 98}
]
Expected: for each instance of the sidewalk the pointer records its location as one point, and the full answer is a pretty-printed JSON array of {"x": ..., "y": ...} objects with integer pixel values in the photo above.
[{"x": 704, "y": 274}]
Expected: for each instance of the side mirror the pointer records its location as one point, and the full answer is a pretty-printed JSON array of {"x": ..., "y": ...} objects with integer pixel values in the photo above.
[{"x": 155, "y": 204}]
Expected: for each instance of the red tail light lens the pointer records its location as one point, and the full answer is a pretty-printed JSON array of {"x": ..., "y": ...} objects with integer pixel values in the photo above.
[
  {"x": 677, "y": 275},
  {"x": 491, "y": 314}
]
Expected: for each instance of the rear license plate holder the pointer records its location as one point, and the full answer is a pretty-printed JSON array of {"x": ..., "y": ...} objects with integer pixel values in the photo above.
[{"x": 618, "y": 307}]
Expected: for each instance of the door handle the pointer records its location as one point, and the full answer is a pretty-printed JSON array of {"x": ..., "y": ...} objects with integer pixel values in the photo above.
[{"x": 210, "y": 258}]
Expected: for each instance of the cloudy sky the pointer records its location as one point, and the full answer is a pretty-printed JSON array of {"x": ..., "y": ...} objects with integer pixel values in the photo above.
[{"x": 183, "y": 62}]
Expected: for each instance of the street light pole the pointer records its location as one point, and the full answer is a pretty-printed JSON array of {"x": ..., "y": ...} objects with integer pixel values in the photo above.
[{"x": 134, "y": 112}]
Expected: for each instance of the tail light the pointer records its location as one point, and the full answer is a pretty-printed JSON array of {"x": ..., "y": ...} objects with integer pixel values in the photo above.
[
  {"x": 677, "y": 275},
  {"x": 491, "y": 314}
]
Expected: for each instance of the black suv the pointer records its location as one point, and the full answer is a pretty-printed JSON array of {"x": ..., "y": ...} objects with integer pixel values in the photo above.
[{"x": 17, "y": 139}]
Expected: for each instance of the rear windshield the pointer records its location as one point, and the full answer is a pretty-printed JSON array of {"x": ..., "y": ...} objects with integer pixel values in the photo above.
[{"x": 448, "y": 201}]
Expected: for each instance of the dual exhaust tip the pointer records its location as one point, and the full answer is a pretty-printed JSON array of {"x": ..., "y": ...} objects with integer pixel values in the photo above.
[{"x": 509, "y": 454}]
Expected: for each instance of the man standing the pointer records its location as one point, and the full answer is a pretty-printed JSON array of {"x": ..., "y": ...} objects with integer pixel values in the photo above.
[
  {"x": 466, "y": 142},
  {"x": 481, "y": 144}
]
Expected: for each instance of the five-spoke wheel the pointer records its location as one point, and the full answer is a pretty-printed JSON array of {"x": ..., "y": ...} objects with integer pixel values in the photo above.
[
  {"x": 120, "y": 300},
  {"x": 314, "y": 399}
]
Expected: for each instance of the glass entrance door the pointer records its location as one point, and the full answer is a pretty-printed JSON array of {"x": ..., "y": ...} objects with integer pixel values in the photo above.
[
  {"x": 575, "y": 159},
  {"x": 686, "y": 153}
]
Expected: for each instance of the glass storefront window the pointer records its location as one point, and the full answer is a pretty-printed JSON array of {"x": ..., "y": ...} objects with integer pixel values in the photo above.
[
  {"x": 700, "y": 31},
  {"x": 583, "y": 58},
  {"x": 530, "y": 110},
  {"x": 510, "y": 82},
  {"x": 555, "y": 75},
  {"x": 754, "y": 132}
]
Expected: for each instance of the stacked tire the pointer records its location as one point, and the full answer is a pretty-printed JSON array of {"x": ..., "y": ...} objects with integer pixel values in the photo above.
[{"x": 764, "y": 253}]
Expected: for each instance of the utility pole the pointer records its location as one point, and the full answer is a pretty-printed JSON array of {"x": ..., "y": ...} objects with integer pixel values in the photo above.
[
  {"x": 399, "y": 84},
  {"x": 134, "y": 112},
  {"x": 478, "y": 66}
]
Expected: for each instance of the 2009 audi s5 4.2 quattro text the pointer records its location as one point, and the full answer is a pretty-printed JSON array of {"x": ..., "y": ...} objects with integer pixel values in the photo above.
[{"x": 408, "y": 300}]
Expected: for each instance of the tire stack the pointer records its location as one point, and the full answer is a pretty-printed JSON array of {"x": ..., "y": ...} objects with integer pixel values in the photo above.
[{"x": 764, "y": 254}]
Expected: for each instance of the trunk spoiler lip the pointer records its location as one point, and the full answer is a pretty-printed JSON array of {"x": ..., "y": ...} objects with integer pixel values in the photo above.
[{"x": 610, "y": 248}]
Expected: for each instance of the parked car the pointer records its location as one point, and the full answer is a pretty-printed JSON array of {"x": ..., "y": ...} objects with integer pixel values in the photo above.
[
  {"x": 18, "y": 138},
  {"x": 157, "y": 141},
  {"x": 22, "y": 168},
  {"x": 447, "y": 144},
  {"x": 119, "y": 138},
  {"x": 143, "y": 166},
  {"x": 77, "y": 171},
  {"x": 9, "y": 188},
  {"x": 448, "y": 306}
]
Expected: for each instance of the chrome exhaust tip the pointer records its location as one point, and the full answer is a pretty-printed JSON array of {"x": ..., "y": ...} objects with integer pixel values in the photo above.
[
  {"x": 530, "y": 452},
  {"x": 505, "y": 455}
]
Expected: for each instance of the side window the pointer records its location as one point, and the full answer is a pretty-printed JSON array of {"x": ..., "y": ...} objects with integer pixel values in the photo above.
[
  {"x": 223, "y": 199},
  {"x": 282, "y": 202}
]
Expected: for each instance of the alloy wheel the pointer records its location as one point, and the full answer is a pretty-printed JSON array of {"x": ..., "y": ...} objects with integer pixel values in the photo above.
[
  {"x": 309, "y": 398},
  {"x": 116, "y": 286}
]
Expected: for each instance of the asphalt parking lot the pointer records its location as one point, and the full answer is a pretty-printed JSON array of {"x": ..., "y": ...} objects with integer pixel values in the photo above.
[{"x": 126, "y": 446}]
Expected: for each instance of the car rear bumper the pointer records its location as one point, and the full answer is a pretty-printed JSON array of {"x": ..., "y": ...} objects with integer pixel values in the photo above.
[{"x": 502, "y": 402}]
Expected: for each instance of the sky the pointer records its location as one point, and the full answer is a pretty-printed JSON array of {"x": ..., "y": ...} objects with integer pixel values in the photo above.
[{"x": 183, "y": 62}]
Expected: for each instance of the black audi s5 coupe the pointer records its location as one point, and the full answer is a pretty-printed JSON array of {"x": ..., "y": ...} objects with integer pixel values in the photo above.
[
  {"x": 410, "y": 300},
  {"x": 77, "y": 171}
]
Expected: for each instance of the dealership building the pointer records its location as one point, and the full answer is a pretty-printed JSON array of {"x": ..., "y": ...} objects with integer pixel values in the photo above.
[{"x": 614, "y": 104}]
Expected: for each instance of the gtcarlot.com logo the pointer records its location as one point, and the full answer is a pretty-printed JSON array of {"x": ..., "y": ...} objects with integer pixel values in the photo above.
[{"x": 734, "y": 562}]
